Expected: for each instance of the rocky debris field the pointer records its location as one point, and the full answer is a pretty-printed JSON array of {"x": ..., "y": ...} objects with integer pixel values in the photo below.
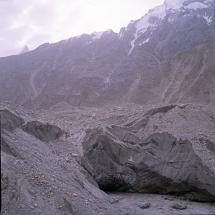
[{"x": 116, "y": 160}]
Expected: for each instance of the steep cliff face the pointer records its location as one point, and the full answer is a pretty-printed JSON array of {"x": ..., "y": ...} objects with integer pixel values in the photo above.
[
  {"x": 166, "y": 56},
  {"x": 192, "y": 76}
]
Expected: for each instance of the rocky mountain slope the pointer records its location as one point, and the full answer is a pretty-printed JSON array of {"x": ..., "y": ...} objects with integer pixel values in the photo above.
[{"x": 166, "y": 56}]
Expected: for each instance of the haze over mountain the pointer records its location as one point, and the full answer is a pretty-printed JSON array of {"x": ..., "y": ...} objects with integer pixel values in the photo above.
[{"x": 166, "y": 56}]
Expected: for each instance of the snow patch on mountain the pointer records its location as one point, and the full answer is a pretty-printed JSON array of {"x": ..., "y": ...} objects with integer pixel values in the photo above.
[
  {"x": 154, "y": 17},
  {"x": 170, "y": 19},
  {"x": 133, "y": 43},
  {"x": 158, "y": 12},
  {"x": 144, "y": 42},
  {"x": 97, "y": 35},
  {"x": 174, "y": 4},
  {"x": 208, "y": 19},
  {"x": 195, "y": 6},
  {"x": 181, "y": 4},
  {"x": 209, "y": 1},
  {"x": 150, "y": 20},
  {"x": 121, "y": 34}
]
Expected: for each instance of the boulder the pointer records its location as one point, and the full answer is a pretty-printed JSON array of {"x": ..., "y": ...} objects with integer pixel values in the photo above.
[
  {"x": 140, "y": 157},
  {"x": 45, "y": 132},
  {"x": 42, "y": 131},
  {"x": 10, "y": 120}
]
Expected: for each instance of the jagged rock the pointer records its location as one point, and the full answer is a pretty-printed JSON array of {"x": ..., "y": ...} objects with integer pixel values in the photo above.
[
  {"x": 45, "y": 132},
  {"x": 6, "y": 147},
  {"x": 167, "y": 162},
  {"x": 4, "y": 181},
  {"x": 144, "y": 205},
  {"x": 179, "y": 206},
  {"x": 10, "y": 120}
]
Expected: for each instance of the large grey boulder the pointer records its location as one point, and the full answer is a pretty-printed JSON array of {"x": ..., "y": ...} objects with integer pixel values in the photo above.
[
  {"x": 152, "y": 154},
  {"x": 10, "y": 120},
  {"x": 43, "y": 131}
]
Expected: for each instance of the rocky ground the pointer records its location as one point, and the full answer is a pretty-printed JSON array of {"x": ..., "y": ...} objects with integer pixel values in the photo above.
[{"x": 43, "y": 160}]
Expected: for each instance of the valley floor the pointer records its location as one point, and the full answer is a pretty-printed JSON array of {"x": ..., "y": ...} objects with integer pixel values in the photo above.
[
  {"x": 151, "y": 204},
  {"x": 45, "y": 177}
]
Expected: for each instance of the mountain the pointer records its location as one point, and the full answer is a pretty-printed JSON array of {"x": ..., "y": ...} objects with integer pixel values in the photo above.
[
  {"x": 167, "y": 56},
  {"x": 148, "y": 149}
]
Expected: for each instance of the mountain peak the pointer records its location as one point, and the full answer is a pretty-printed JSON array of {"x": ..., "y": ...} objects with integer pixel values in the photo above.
[{"x": 152, "y": 18}]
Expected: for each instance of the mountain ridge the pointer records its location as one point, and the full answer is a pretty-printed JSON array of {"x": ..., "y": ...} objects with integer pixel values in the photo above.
[{"x": 103, "y": 68}]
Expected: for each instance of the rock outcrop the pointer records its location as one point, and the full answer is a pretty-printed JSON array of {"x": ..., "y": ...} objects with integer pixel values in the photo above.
[
  {"x": 165, "y": 151},
  {"x": 10, "y": 120},
  {"x": 44, "y": 132}
]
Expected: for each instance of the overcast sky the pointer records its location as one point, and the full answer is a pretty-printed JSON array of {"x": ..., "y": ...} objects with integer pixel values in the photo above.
[{"x": 33, "y": 22}]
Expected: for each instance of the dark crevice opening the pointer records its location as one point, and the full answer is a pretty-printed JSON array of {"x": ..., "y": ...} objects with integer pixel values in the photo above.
[{"x": 113, "y": 184}]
